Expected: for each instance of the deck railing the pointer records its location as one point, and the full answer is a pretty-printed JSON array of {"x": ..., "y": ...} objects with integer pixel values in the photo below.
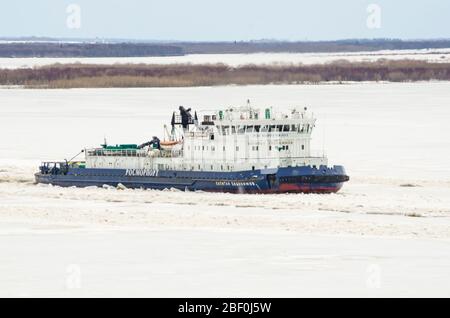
[
  {"x": 134, "y": 153},
  {"x": 117, "y": 153}
]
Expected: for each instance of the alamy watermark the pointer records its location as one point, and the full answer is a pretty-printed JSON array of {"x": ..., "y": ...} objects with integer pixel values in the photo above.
[
  {"x": 73, "y": 279},
  {"x": 373, "y": 280},
  {"x": 374, "y": 16},
  {"x": 73, "y": 20}
]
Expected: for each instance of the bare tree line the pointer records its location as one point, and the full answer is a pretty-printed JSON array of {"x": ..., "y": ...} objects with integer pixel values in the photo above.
[{"x": 179, "y": 75}]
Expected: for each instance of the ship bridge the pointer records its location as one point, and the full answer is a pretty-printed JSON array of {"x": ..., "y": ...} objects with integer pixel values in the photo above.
[{"x": 250, "y": 120}]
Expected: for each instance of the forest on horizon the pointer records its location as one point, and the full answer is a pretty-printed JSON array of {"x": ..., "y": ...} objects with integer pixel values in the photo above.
[{"x": 20, "y": 48}]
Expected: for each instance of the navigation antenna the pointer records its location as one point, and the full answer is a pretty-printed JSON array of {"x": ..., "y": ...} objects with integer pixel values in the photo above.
[{"x": 105, "y": 143}]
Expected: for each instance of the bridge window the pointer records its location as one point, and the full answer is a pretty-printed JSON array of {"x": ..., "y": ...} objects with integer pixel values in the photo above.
[
  {"x": 249, "y": 128},
  {"x": 286, "y": 128},
  {"x": 264, "y": 128},
  {"x": 233, "y": 129},
  {"x": 241, "y": 129},
  {"x": 225, "y": 130},
  {"x": 257, "y": 128}
]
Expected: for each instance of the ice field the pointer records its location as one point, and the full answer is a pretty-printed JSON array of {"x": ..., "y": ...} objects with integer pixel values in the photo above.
[
  {"x": 431, "y": 55},
  {"x": 386, "y": 233}
]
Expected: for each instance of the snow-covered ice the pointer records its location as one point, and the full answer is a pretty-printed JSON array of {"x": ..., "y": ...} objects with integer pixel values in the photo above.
[
  {"x": 75, "y": 262},
  {"x": 387, "y": 233},
  {"x": 431, "y": 55}
]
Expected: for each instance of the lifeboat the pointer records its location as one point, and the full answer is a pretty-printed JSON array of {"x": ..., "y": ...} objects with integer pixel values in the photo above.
[{"x": 168, "y": 145}]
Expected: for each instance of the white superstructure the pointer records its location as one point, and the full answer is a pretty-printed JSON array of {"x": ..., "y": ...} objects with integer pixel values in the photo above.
[{"x": 232, "y": 139}]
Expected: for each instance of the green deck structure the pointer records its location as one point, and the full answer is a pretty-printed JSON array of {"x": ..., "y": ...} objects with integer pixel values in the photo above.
[{"x": 121, "y": 147}]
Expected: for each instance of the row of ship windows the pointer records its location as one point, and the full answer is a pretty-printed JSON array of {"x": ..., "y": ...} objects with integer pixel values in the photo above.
[
  {"x": 226, "y": 130},
  {"x": 254, "y": 148}
]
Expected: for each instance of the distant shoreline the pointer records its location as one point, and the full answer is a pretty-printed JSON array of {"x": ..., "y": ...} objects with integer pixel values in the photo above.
[
  {"x": 193, "y": 75},
  {"x": 55, "y": 48}
]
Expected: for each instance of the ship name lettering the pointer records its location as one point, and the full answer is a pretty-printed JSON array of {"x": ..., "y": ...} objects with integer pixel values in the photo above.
[
  {"x": 141, "y": 172},
  {"x": 236, "y": 183}
]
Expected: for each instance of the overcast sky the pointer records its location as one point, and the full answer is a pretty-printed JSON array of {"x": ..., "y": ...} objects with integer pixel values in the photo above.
[{"x": 229, "y": 20}]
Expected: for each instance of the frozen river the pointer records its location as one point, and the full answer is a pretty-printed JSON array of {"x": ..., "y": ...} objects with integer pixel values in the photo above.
[
  {"x": 394, "y": 140},
  {"x": 431, "y": 55}
]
